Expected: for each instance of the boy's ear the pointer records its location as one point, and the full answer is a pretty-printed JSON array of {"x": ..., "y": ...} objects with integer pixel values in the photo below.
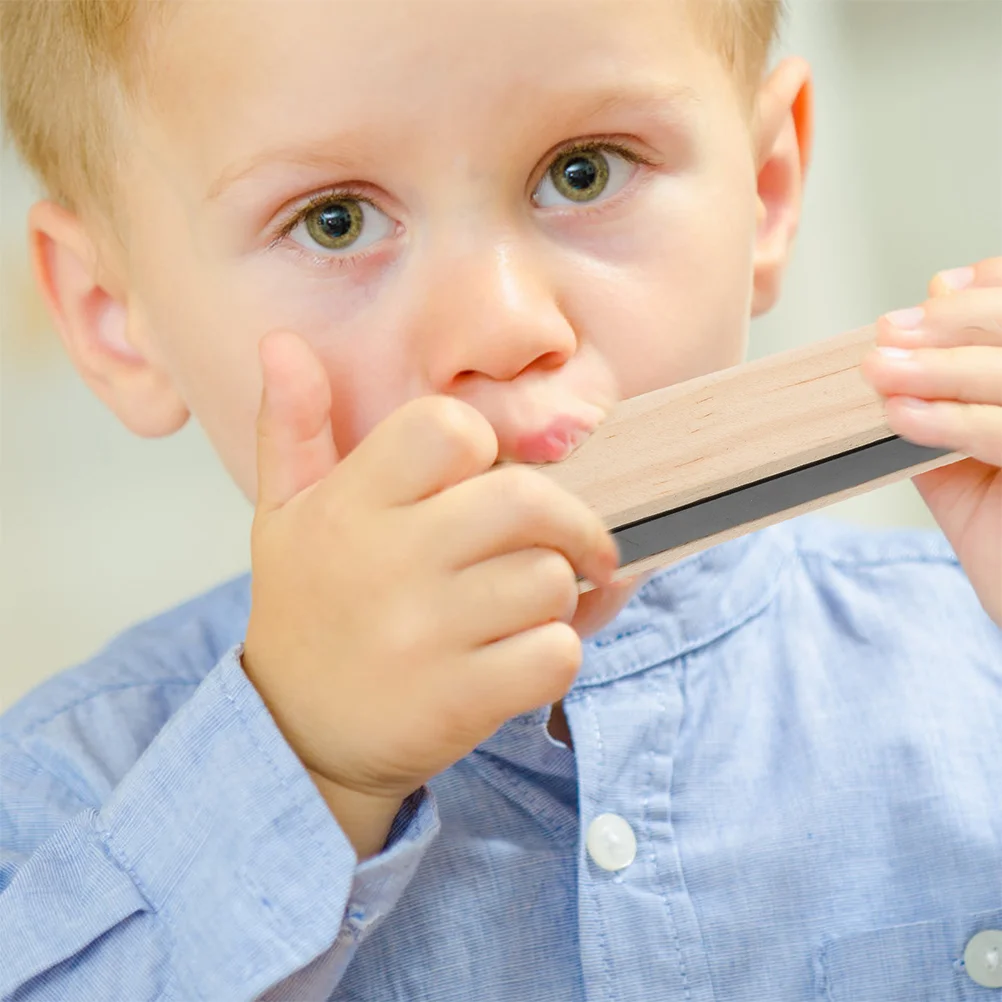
[
  {"x": 90, "y": 310},
  {"x": 784, "y": 132}
]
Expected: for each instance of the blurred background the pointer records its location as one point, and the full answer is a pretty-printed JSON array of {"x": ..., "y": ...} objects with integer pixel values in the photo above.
[{"x": 99, "y": 529}]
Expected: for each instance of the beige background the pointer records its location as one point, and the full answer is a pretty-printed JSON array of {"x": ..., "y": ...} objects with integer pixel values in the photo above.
[{"x": 99, "y": 529}]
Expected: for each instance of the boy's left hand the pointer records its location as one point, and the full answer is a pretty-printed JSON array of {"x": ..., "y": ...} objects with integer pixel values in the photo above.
[{"x": 955, "y": 373}]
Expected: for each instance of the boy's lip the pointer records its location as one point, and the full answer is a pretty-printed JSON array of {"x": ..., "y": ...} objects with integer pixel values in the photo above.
[{"x": 554, "y": 442}]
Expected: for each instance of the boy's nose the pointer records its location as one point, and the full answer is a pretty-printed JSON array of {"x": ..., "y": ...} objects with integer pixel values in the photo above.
[{"x": 490, "y": 315}]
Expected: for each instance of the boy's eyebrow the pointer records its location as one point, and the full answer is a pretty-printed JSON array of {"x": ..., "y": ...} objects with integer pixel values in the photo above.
[
  {"x": 667, "y": 97},
  {"x": 665, "y": 101},
  {"x": 297, "y": 155}
]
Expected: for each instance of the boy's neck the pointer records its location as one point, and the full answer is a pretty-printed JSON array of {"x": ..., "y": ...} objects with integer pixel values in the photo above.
[{"x": 558, "y": 725}]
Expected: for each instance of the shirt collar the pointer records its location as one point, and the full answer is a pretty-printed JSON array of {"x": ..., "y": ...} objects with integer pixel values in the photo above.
[
  {"x": 689, "y": 604},
  {"x": 685, "y": 606}
]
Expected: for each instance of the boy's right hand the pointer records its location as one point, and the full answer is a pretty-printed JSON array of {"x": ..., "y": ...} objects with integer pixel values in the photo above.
[{"x": 408, "y": 599}]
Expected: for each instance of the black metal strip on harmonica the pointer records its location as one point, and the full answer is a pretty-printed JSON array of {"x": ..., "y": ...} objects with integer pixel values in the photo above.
[{"x": 769, "y": 496}]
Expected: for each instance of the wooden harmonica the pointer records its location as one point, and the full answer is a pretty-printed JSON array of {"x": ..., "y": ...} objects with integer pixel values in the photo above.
[{"x": 689, "y": 466}]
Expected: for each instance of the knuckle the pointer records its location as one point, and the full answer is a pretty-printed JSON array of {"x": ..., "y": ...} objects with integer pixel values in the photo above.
[
  {"x": 407, "y": 634},
  {"x": 989, "y": 325}
]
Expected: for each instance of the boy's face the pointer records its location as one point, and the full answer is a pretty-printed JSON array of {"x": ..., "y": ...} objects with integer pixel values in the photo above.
[{"x": 440, "y": 254}]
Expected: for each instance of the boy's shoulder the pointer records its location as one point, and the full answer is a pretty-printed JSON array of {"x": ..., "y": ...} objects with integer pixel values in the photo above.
[
  {"x": 140, "y": 677},
  {"x": 899, "y": 591},
  {"x": 909, "y": 575},
  {"x": 827, "y": 540}
]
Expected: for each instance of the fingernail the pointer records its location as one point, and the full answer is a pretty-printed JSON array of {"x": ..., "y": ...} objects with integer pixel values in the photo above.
[
  {"x": 889, "y": 352},
  {"x": 906, "y": 319},
  {"x": 957, "y": 278},
  {"x": 914, "y": 404}
]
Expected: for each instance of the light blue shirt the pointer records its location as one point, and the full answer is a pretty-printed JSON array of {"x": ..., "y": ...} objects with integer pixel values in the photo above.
[{"x": 801, "y": 729}]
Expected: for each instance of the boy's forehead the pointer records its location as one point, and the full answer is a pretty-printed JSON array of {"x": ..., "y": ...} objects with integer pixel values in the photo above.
[{"x": 237, "y": 79}]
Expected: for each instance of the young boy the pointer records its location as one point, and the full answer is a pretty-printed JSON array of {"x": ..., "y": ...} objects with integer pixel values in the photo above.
[{"x": 375, "y": 248}]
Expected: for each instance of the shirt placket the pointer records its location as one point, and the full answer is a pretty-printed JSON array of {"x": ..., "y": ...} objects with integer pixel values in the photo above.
[{"x": 639, "y": 936}]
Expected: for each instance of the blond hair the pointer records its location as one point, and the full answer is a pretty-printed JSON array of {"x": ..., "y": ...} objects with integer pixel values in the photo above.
[{"x": 69, "y": 67}]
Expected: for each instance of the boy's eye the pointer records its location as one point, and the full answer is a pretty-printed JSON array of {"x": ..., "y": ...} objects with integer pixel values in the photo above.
[
  {"x": 343, "y": 220},
  {"x": 336, "y": 225},
  {"x": 339, "y": 222},
  {"x": 583, "y": 175}
]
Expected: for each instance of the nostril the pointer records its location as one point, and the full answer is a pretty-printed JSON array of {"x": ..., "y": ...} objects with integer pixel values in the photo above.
[{"x": 550, "y": 360}]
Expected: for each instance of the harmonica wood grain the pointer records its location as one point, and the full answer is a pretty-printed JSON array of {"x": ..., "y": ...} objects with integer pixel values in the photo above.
[{"x": 689, "y": 466}]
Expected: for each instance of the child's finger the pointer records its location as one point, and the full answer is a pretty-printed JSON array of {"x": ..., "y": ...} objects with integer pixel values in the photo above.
[
  {"x": 295, "y": 445},
  {"x": 970, "y": 375},
  {"x": 988, "y": 272},
  {"x": 972, "y": 429},
  {"x": 515, "y": 508},
  {"x": 509, "y": 594},
  {"x": 524, "y": 671},
  {"x": 599, "y": 607},
  {"x": 982, "y": 275},
  {"x": 427, "y": 445},
  {"x": 972, "y": 318}
]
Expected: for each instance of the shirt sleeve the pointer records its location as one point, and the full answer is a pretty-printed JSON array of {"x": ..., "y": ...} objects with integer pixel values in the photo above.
[{"x": 214, "y": 870}]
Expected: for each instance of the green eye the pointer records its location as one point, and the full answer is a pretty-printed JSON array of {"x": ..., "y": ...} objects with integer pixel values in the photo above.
[
  {"x": 581, "y": 175},
  {"x": 335, "y": 224}
]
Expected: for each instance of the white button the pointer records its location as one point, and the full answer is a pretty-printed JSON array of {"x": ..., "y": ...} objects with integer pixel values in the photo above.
[
  {"x": 611, "y": 842},
  {"x": 983, "y": 958}
]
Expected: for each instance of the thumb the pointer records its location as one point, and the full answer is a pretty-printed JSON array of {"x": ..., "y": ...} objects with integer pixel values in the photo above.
[{"x": 295, "y": 444}]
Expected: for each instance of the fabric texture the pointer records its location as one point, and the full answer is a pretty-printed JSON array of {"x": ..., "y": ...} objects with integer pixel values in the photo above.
[{"x": 802, "y": 728}]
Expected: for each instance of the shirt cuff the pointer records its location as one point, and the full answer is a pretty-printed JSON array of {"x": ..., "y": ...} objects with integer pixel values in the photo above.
[{"x": 228, "y": 839}]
